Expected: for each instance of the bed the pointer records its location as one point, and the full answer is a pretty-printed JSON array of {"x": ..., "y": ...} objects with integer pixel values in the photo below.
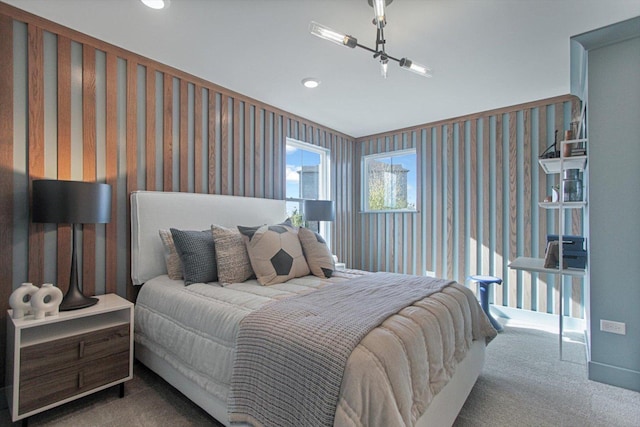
[{"x": 187, "y": 334}]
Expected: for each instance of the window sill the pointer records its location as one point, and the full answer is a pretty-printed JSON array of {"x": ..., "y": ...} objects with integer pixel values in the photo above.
[{"x": 391, "y": 211}]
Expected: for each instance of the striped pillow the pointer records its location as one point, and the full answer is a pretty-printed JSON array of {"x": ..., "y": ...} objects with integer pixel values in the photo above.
[
  {"x": 171, "y": 257},
  {"x": 231, "y": 256},
  {"x": 317, "y": 253}
]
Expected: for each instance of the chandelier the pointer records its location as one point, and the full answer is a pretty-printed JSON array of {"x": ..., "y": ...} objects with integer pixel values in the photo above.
[{"x": 379, "y": 53}]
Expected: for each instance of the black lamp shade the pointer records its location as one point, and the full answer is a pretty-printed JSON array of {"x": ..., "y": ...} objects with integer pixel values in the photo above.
[
  {"x": 71, "y": 202},
  {"x": 319, "y": 210}
]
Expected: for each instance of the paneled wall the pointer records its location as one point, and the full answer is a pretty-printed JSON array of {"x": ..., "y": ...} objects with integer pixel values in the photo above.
[
  {"x": 478, "y": 184},
  {"x": 73, "y": 107}
]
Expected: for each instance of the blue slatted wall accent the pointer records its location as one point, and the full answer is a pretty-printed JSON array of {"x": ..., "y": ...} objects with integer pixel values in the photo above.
[{"x": 479, "y": 184}]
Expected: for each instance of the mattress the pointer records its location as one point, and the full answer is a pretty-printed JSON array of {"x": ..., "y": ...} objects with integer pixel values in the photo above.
[{"x": 390, "y": 378}]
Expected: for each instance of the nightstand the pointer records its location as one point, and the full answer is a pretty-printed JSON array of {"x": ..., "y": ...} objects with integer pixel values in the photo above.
[{"x": 57, "y": 359}]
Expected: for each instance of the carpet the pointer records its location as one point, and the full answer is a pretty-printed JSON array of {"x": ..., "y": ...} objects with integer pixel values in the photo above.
[{"x": 524, "y": 383}]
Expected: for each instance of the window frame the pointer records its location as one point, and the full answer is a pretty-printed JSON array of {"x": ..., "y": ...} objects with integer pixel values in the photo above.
[
  {"x": 365, "y": 182},
  {"x": 324, "y": 178}
]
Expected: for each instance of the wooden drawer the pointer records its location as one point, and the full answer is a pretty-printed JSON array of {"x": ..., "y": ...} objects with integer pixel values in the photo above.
[
  {"x": 65, "y": 382},
  {"x": 39, "y": 359}
]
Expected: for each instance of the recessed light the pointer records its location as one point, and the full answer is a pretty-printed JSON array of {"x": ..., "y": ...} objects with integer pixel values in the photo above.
[
  {"x": 156, "y": 4},
  {"x": 310, "y": 82}
]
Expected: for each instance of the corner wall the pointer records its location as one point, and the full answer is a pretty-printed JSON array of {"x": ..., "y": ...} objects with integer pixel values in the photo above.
[{"x": 479, "y": 184}]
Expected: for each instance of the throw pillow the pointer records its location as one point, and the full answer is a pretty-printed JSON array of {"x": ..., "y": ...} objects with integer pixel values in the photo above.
[
  {"x": 317, "y": 253},
  {"x": 171, "y": 257},
  {"x": 231, "y": 256},
  {"x": 275, "y": 253},
  {"x": 197, "y": 254}
]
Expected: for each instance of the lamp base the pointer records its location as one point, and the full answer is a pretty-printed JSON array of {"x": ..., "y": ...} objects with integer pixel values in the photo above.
[{"x": 74, "y": 300}]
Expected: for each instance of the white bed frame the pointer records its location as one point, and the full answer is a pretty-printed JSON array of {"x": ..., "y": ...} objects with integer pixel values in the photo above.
[{"x": 152, "y": 211}]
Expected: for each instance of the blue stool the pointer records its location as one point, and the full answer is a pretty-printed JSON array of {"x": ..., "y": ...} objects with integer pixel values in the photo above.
[{"x": 484, "y": 282}]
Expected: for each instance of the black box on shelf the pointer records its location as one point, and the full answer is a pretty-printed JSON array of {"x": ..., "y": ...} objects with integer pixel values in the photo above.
[{"x": 573, "y": 253}]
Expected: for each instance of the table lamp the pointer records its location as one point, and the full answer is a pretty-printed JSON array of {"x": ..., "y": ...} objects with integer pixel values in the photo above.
[
  {"x": 71, "y": 202},
  {"x": 319, "y": 210}
]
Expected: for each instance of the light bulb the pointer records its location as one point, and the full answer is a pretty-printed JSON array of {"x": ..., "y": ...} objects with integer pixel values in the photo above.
[
  {"x": 378, "y": 11},
  {"x": 415, "y": 67},
  {"x": 310, "y": 82},
  {"x": 156, "y": 4},
  {"x": 384, "y": 66},
  {"x": 327, "y": 33}
]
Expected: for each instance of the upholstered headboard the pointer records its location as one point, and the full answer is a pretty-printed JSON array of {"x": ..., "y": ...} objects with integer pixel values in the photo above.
[{"x": 155, "y": 210}]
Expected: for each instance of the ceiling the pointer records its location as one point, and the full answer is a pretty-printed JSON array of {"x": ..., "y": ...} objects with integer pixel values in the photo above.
[{"x": 484, "y": 54}]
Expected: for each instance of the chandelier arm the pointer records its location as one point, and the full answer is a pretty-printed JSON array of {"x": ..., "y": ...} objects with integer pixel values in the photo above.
[
  {"x": 367, "y": 48},
  {"x": 377, "y": 52},
  {"x": 391, "y": 57}
]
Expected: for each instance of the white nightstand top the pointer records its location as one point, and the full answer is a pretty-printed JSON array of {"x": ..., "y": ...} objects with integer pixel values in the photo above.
[{"x": 106, "y": 303}]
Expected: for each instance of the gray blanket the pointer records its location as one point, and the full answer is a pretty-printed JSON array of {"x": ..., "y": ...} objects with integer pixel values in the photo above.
[{"x": 291, "y": 354}]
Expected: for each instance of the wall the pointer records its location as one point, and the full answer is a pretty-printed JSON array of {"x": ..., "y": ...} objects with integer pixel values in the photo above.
[
  {"x": 479, "y": 184},
  {"x": 614, "y": 105},
  {"x": 73, "y": 107}
]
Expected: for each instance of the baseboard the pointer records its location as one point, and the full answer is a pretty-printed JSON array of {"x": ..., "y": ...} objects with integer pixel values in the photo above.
[
  {"x": 614, "y": 375},
  {"x": 587, "y": 345},
  {"x": 546, "y": 320}
]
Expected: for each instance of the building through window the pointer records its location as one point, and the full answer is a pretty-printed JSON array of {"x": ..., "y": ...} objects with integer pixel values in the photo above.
[{"x": 389, "y": 181}]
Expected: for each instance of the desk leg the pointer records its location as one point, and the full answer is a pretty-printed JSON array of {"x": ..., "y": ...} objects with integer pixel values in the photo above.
[{"x": 484, "y": 302}]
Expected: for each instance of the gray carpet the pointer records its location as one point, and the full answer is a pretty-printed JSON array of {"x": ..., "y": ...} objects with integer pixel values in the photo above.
[{"x": 523, "y": 384}]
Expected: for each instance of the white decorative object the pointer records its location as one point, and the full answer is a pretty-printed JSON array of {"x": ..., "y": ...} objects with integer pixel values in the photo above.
[
  {"x": 20, "y": 300},
  {"x": 46, "y": 301}
]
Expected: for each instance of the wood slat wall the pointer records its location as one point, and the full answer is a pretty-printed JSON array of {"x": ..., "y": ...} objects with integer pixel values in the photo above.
[
  {"x": 6, "y": 175},
  {"x": 163, "y": 129},
  {"x": 479, "y": 184},
  {"x": 113, "y": 127}
]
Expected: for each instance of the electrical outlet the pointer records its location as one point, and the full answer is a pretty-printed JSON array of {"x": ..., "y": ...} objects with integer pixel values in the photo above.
[
  {"x": 430, "y": 273},
  {"x": 613, "y": 327}
]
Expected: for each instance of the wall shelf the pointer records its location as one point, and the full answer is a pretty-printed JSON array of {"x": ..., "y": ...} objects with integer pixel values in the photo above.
[
  {"x": 537, "y": 265},
  {"x": 557, "y": 166},
  {"x": 564, "y": 205},
  {"x": 551, "y": 166}
]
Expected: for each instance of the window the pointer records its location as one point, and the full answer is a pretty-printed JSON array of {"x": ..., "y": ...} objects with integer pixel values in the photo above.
[
  {"x": 307, "y": 177},
  {"x": 389, "y": 181}
]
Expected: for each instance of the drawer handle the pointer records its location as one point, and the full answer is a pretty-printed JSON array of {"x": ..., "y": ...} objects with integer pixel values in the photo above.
[
  {"x": 81, "y": 355},
  {"x": 80, "y": 379}
]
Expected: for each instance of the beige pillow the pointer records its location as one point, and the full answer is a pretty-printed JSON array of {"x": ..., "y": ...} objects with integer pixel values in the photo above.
[
  {"x": 275, "y": 253},
  {"x": 316, "y": 252},
  {"x": 231, "y": 255},
  {"x": 171, "y": 257}
]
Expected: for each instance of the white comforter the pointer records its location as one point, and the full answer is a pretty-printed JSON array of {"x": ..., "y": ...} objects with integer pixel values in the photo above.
[{"x": 390, "y": 378}]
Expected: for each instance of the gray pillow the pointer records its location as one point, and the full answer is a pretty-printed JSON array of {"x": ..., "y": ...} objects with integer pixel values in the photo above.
[{"x": 197, "y": 253}]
